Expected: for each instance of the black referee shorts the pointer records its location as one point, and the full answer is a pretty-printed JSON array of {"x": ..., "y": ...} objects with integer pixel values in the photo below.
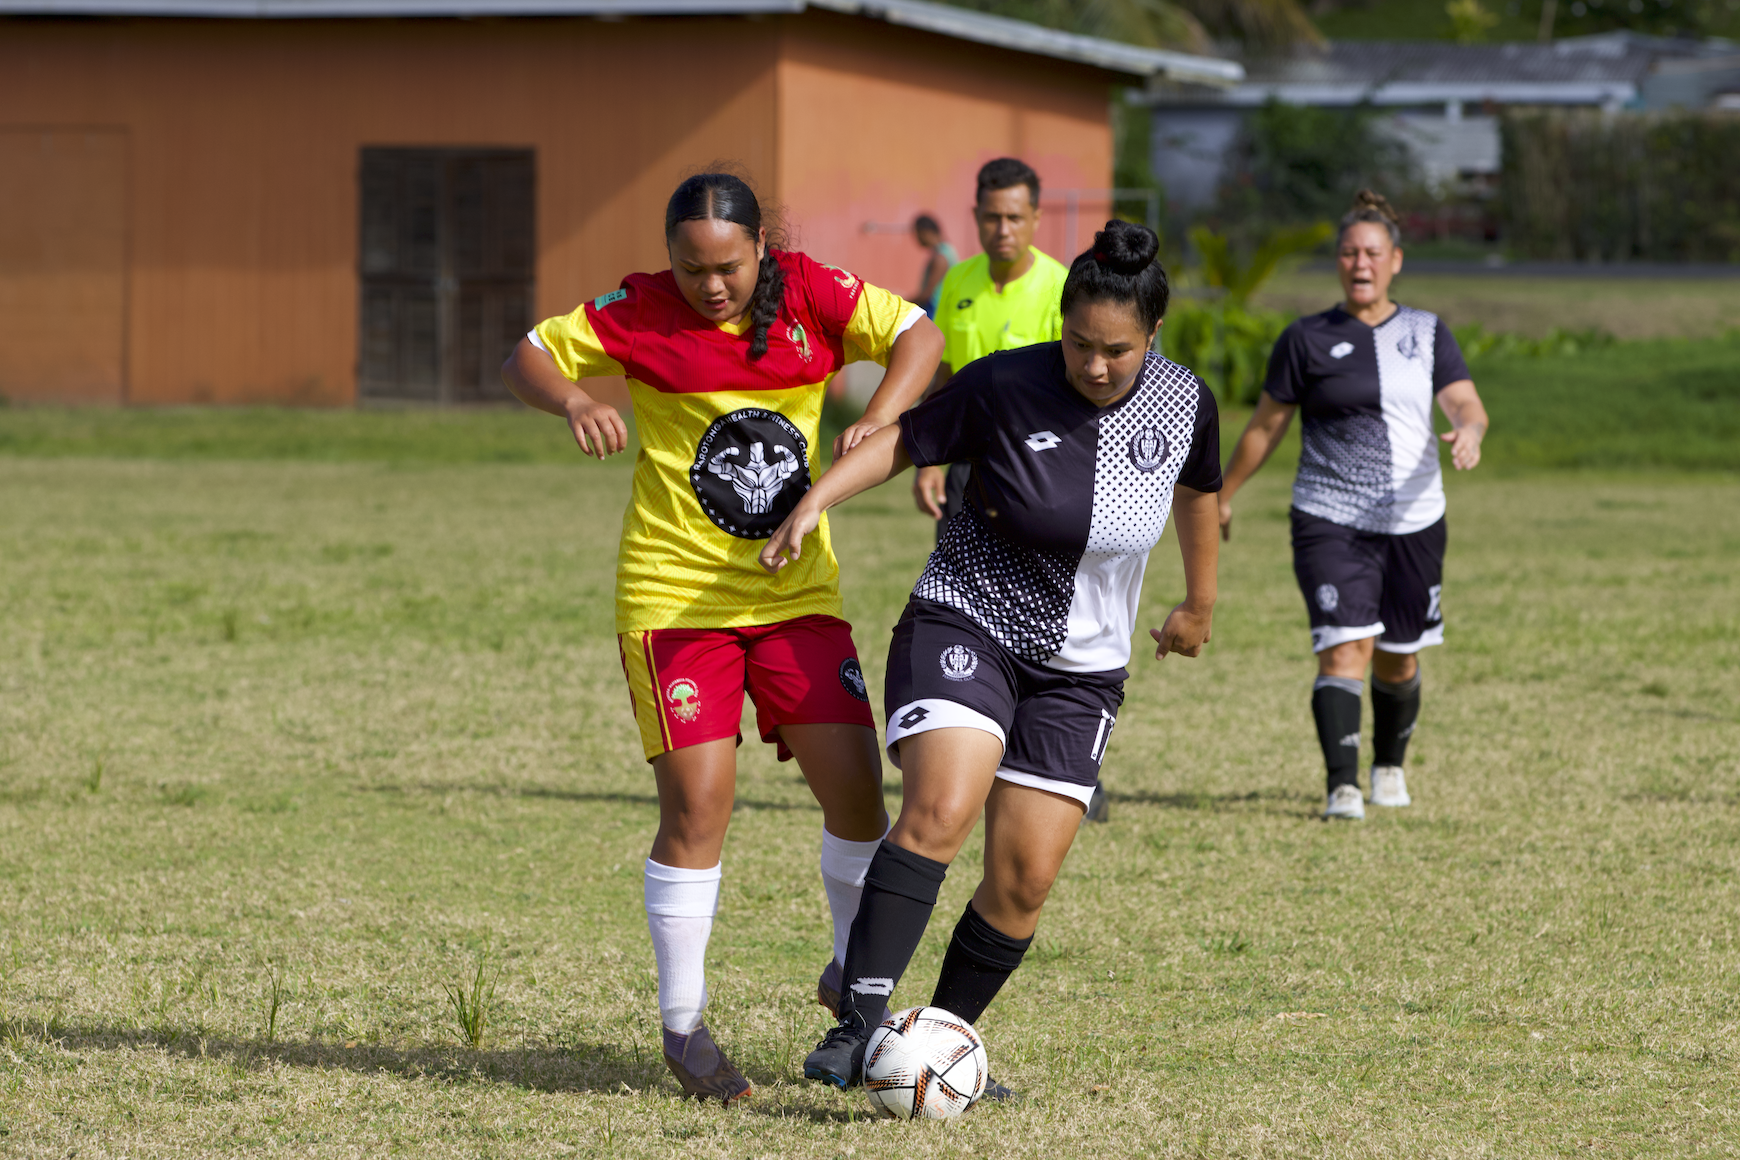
[
  {"x": 1363, "y": 584},
  {"x": 944, "y": 671}
]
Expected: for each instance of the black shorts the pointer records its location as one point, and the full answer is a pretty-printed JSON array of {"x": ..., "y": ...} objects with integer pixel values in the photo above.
[
  {"x": 944, "y": 671},
  {"x": 1364, "y": 584}
]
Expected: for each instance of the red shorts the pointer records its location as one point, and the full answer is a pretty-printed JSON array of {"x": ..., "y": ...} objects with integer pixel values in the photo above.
[{"x": 686, "y": 685}]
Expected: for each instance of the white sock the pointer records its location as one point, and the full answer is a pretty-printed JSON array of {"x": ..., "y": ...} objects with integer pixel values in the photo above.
[
  {"x": 680, "y": 905},
  {"x": 843, "y": 867}
]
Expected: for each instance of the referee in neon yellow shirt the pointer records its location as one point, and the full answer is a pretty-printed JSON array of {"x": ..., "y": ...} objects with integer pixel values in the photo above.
[
  {"x": 1003, "y": 298},
  {"x": 1006, "y": 297}
]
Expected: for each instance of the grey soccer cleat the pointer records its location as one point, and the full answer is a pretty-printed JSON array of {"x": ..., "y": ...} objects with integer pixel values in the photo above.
[
  {"x": 701, "y": 1068},
  {"x": 1389, "y": 786},
  {"x": 996, "y": 1093},
  {"x": 839, "y": 1058},
  {"x": 1345, "y": 804},
  {"x": 1099, "y": 809},
  {"x": 828, "y": 987}
]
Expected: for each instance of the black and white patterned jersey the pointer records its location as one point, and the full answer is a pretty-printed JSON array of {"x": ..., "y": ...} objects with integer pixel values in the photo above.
[
  {"x": 1370, "y": 458},
  {"x": 1065, "y": 501}
]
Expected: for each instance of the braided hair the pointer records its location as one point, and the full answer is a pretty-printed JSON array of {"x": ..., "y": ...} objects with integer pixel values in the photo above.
[
  {"x": 727, "y": 197},
  {"x": 1371, "y": 206},
  {"x": 1123, "y": 266}
]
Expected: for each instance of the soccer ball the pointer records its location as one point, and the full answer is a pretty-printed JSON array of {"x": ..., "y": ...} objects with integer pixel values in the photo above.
[{"x": 924, "y": 1064}]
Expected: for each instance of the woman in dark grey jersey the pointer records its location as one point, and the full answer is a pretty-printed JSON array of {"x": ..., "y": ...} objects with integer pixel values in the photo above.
[
  {"x": 1368, "y": 502},
  {"x": 1006, "y": 672}
]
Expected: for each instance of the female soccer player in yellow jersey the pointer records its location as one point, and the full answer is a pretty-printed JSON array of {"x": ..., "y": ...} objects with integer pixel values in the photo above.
[{"x": 727, "y": 355}]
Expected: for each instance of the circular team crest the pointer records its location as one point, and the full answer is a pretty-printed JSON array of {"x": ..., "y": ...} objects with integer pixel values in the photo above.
[
  {"x": 1148, "y": 448},
  {"x": 683, "y": 699},
  {"x": 852, "y": 679},
  {"x": 1409, "y": 345},
  {"x": 959, "y": 662},
  {"x": 750, "y": 470},
  {"x": 1328, "y": 597}
]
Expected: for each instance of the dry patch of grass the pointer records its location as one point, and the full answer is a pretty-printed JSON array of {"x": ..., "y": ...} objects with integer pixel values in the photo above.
[{"x": 289, "y": 750}]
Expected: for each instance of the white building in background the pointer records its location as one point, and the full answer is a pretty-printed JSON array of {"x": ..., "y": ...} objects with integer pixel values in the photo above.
[{"x": 1442, "y": 100}]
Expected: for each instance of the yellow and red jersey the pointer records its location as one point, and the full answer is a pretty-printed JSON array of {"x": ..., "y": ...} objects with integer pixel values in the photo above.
[{"x": 727, "y": 445}]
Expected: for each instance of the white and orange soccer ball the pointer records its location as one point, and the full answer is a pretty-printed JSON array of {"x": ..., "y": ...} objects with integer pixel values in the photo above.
[{"x": 924, "y": 1063}]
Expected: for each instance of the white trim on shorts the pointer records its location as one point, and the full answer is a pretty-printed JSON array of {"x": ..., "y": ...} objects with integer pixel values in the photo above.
[
  {"x": 1330, "y": 635},
  {"x": 1069, "y": 789},
  {"x": 1432, "y": 636},
  {"x": 938, "y": 714}
]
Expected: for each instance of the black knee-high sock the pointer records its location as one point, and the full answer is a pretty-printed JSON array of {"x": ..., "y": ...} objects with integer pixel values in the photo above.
[
  {"x": 1394, "y": 710},
  {"x": 900, "y": 891},
  {"x": 979, "y": 961},
  {"x": 1335, "y": 705}
]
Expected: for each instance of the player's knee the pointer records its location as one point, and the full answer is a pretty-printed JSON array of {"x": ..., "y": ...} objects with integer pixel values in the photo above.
[{"x": 937, "y": 823}]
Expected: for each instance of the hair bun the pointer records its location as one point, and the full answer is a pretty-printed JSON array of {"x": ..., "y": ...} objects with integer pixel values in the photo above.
[
  {"x": 1370, "y": 199},
  {"x": 1125, "y": 247}
]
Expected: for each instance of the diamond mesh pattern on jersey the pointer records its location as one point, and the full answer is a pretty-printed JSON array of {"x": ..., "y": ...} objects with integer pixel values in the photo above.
[{"x": 1022, "y": 596}]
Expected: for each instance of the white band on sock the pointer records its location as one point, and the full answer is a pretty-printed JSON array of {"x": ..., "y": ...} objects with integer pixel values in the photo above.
[{"x": 680, "y": 893}]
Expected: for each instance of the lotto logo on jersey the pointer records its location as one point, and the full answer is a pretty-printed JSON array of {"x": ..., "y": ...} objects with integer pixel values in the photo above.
[
  {"x": 683, "y": 699},
  {"x": 959, "y": 662},
  {"x": 1341, "y": 350},
  {"x": 1042, "y": 441},
  {"x": 1149, "y": 449},
  {"x": 750, "y": 470}
]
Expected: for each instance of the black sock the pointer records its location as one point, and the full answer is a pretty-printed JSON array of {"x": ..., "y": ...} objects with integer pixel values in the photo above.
[
  {"x": 979, "y": 961},
  {"x": 1394, "y": 710},
  {"x": 900, "y": 891},
  {"x": 1335, "y": 705}
]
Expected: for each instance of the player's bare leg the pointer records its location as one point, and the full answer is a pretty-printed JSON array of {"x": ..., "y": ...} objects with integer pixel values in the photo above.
[{"x": 697, "y": 785}]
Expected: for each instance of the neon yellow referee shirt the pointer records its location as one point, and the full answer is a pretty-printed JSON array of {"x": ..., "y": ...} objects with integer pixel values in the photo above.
[{"x": 976, "y": 320}]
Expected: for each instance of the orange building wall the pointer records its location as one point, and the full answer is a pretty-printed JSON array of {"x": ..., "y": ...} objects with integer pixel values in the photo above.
[
  {"x": 877, "y": 128},
  {"x": 244, "y": 144},
  {"x": 240, "y": 144}
]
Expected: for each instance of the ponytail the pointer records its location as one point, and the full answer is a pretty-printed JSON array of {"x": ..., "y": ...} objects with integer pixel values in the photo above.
[{"x": 727, "y": 197}]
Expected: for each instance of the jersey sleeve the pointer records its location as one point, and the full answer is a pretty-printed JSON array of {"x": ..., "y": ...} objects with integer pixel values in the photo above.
[
  {"x": 953, "y": 425},
  {"x": 879, "y": 318},
  {"x": 1448, "y": 365},
  {"x": 573, "y": 341},
  {"x": 1285, "y": 382},
  {"x": 1201, "y": 472},
  {"x": 955, "y": 334}
]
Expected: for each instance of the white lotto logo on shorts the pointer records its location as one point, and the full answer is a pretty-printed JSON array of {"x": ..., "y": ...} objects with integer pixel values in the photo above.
[
  {"x": 683, "y": 698},
  {"x": 959, "y": 662},
  {"x": 1327, "y": 597},
  {"x": 1341, "y": 350}
]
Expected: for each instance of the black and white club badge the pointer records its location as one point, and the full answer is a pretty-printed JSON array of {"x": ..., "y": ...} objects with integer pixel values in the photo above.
[
  {"x": 1409, "y": 345},
  {"x": 1149, "y": 449},
  {"x": 750, "y": 470},
  {"x": 852, "y": 679},
  {"x": 959, "y": 662}
]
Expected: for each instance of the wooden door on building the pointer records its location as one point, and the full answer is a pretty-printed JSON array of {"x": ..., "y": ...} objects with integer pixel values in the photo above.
[
  {"x": 63, "y": 264},
  {"x": 447, "y": 252}
]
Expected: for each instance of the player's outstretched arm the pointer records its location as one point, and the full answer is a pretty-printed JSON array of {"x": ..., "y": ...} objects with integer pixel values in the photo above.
[
  {"x": 911, "y": 363},
  {"x": 877, "y": 459},
  {"x": 1461, "y": 404},
  {"x": 535, "y": 380},
  {"x": 1268, "y": 426},
  {"x": 1189, "y": 626}
]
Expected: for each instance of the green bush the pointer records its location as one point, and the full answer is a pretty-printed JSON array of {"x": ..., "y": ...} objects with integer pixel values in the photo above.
[
  {"x": 1477, "y": 342},
  {"x": 1226, "y": 344},
  {"x": 1586, "y": 186}
]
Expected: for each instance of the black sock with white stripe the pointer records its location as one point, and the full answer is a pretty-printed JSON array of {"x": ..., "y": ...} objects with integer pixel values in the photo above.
[
  {"x": 1335, "y": 703},
  {"x": 979, "y": 961},
  {"x": 900, "y": 890},
  {"x": 1394, "y": 710}
]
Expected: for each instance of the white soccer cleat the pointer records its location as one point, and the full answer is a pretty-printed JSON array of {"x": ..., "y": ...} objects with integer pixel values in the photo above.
[
  {"x": 1345, "y": 803},
  {"x": 1389, "y": 786}
]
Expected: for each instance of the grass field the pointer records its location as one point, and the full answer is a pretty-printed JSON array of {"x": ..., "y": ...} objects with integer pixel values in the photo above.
[
  {"x": 1630, "y": 308},
  {"x": 286, "y": 747}
]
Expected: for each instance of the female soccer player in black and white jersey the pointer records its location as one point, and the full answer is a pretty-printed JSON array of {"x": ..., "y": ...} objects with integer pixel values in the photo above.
[
  {"x": 1007, "y": 669},
  {"x": 1368, "y": 502}
]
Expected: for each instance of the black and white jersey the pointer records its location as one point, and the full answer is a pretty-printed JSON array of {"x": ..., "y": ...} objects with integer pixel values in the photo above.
[
  {"x": 1370, "y": 458},
  {"x": 1066, "y": 498}
]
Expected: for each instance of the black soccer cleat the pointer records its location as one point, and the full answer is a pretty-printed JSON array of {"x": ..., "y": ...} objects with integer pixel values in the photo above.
[
  {"x": 839, "y": 1058},
  {"x": 996, "y": 1093}
]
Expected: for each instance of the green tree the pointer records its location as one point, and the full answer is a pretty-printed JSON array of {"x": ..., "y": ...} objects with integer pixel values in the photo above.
[{"x": 1190, "y": 25}]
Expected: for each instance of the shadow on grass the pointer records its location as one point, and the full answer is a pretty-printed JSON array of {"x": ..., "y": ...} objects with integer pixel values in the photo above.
[
  {"x": 551, "y": 793},
  {"x": 1271, "y": 801}
]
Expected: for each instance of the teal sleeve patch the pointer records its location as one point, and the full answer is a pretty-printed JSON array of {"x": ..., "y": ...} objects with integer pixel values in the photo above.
[{"x": 603, "y": 300}]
